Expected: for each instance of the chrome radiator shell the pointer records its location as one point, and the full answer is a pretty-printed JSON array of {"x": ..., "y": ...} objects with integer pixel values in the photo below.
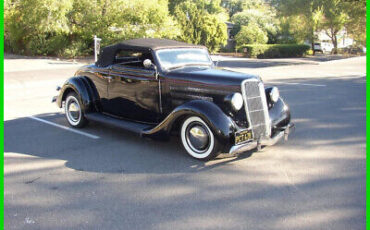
[{"x": 256, "y": 108}]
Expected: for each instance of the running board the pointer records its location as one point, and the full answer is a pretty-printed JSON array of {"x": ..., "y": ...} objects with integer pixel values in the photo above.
[{"x": 123, "y": 124}]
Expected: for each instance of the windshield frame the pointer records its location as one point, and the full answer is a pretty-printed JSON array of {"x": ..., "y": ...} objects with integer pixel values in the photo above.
[{"x": 183, "y": 65}]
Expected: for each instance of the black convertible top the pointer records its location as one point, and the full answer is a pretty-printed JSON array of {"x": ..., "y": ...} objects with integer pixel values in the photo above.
[{"x": 108, "y": 53}]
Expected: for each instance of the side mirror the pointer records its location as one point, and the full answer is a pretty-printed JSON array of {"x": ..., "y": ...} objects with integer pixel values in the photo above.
[{"x": 147, "y": 63}]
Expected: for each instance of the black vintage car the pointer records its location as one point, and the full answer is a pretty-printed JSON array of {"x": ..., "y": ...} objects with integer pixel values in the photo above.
[{"x": 156, "y": 87}]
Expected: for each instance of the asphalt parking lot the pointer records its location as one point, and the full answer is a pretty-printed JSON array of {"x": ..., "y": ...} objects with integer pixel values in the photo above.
[{"x": 105, "y": 178}]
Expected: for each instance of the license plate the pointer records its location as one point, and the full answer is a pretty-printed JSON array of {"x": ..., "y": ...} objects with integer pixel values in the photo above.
[{"x": 243, "y": 136}]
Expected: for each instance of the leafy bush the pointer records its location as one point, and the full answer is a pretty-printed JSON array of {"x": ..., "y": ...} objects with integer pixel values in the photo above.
[
  {"x": 66, "y": 27},
  {"x": 352, "y": 50},
  {"x": 262, "y": 16},
  {"x": 33, "y": 26},
  {"x": 251, "y": 34},
  {"x": 274, "y": 50},
  {"x": 201, "y": 23}
]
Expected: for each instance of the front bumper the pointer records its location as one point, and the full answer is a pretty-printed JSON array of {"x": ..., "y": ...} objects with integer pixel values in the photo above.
[{"x": 263, "y": 142}]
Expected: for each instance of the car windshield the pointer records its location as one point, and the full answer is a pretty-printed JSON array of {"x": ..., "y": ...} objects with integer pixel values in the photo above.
[{"x": 173, "y": 58}]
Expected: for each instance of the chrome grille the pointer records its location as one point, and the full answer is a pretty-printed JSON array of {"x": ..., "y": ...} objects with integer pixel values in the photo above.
[{"x": 255, "y": 105}]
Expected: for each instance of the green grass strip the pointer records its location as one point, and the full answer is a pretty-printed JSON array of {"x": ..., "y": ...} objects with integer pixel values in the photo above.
[{"x": 2, "y": 113}]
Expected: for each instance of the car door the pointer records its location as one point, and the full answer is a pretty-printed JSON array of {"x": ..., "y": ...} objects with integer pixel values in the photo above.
[{"x": 133, "y": 93}]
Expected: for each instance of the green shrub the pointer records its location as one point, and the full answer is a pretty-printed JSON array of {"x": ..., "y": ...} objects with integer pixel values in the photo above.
[
  {"x": 351, "y": 50},
  {"x": 274, "y": 50},
  {"x": 46, "y": 44},
  {"x": 66, "y": 27},
  {"x": 199, "y": 26},
  {"x": 75, "y": 49},
  {"x": 251, "y": 34},
  {"x": 309, "y": 52}
]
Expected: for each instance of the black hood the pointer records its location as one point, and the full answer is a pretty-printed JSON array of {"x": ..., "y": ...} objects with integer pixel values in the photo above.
[{"x": 207, "y": 75}]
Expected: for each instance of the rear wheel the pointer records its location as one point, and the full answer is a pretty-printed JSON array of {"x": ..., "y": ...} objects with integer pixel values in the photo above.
[
  {"x": 73, "y": 111},
  {"x": 198, "y": 139}
]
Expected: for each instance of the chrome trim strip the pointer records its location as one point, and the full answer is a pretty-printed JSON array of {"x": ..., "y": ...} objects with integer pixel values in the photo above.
[
  {"x": 253, "y": 97},
  {"x": 260, "y": 124},
  {"x": 264, "y": 104},
  {"x": 242, "y": 86},
  {"x": 266, "y": 110},
  {"x": 160, "y": 95},
  {"x": 256, "y": 110}
]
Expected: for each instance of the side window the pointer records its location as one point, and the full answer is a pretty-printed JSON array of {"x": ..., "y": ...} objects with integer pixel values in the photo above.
[
  {"x": 131, "y": 58},
  {"x": 124, "y": 56}
]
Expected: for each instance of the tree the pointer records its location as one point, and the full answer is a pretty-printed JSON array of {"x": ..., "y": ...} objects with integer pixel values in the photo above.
[
  {"x": 35, "y": 26},
  {"x": 356, "y": 23},
  {"x": 123, "y": 19},
  {"x": 233, "y": 6},
  {"x": 67, "y": 27},
  {"x": 236, "y": 6},
  {"x": 200, "y": 23},
  {"x": 335, "y": 19},
  {"x": 331, "y": 16},
  {"x": 263, "y": 17},
  {"x": 341, "y": 14},
  {"x": 307, "y": 12},
  {"x": 251, "y": 34}
]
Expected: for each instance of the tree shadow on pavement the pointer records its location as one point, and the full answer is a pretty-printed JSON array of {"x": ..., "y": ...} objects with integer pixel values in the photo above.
[{"x": 323, "y": 116}]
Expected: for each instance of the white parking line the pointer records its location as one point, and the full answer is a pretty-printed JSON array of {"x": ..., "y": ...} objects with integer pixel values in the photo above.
[
  {"x": 295, "y": 83},
  {"x": 64, "y": 127}
]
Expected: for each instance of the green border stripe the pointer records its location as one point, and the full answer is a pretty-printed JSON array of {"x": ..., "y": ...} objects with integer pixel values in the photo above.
[
  {"x": 367, "y": 120},
  {"x": 2, "y": 112}
]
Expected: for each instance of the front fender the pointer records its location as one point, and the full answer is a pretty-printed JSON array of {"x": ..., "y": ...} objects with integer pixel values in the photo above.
[
  {"x": 221, "y": 125},
  {"x": 81, "y": 86},
  {"x": 279, "y": 115}
]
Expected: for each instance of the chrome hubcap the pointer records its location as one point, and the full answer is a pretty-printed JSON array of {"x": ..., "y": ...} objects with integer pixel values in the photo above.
[
  {"x": 74, "y": 112},
  {"x": 197, "y": 137}
]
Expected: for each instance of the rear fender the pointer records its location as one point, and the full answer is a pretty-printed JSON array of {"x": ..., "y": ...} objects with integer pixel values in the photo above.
[{"x": 84, "y": 89}]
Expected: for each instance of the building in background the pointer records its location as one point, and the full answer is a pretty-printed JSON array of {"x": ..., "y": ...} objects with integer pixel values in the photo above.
[
  {"x": 230, "y": 45},
  {"x": 324, "y": 43}
]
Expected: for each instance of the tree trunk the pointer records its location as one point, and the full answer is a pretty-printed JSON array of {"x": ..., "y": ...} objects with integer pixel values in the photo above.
[
  {"x": 312, "y": 40},
  {"x": 313, "y": 47},
  {"x": 334, "y": 40},
  {"x": 335, "y": 43}
]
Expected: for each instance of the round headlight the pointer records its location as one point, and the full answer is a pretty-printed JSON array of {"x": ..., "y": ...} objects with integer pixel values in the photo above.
[
  {"x": 274, "y": 94},
  {"x": 237, "y": 101}
]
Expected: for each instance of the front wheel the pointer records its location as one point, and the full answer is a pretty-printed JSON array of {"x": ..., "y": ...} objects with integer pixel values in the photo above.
[
  {"x": 73, "y": 111},
  {"x": 198, "y": 139}
]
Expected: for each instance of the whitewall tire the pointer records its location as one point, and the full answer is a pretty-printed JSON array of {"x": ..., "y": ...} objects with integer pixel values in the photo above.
[
  {"x": 73, "y": 111},
  {"x": 198, "y": 139}
]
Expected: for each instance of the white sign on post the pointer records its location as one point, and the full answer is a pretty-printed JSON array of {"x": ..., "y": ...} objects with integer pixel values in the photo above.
[{"x": 96, "y": 47}]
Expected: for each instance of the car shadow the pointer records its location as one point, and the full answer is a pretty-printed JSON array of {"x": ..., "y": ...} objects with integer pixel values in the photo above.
[{"x": 116, "y": 151}]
